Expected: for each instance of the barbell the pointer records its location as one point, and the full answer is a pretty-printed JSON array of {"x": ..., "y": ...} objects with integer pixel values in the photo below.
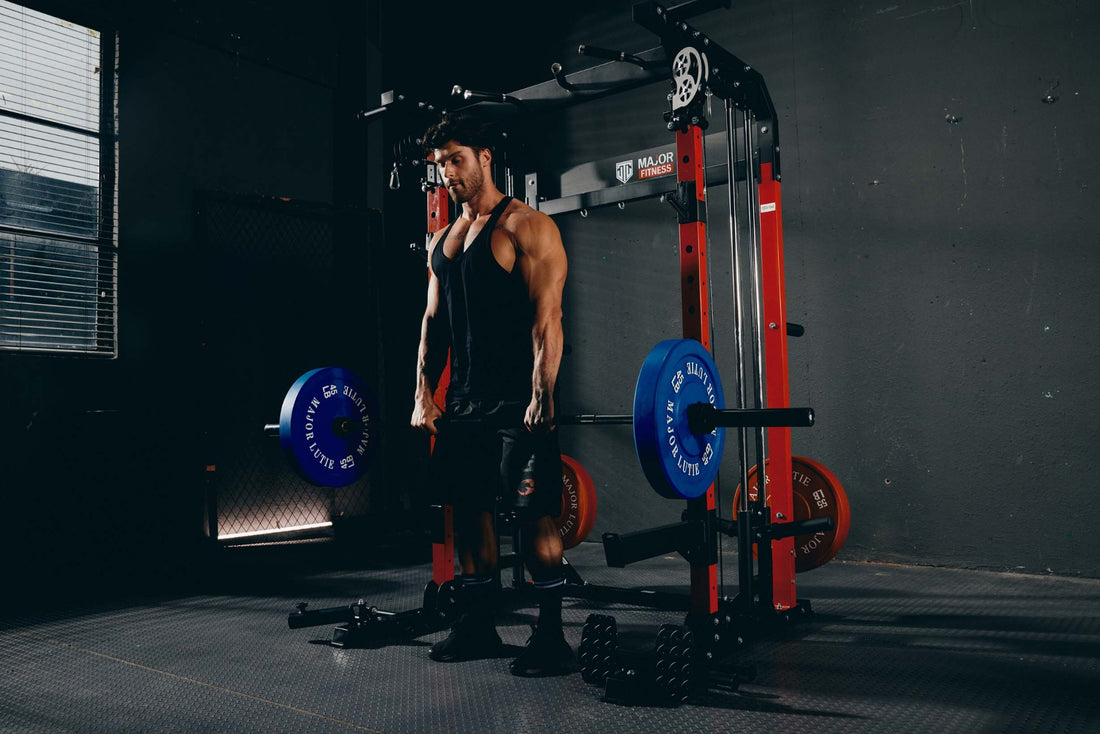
[{"x": 327, "y": 425}]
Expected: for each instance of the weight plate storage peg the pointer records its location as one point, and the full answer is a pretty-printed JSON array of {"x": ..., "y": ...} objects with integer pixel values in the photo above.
[
  {"x": 678, "y": 463},
  {"x": 817, "y": 493},
  {"x": 326, "y": 426}
]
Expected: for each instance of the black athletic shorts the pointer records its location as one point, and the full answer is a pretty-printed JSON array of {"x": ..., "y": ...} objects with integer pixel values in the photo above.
[{"x": 474, "y": 465}]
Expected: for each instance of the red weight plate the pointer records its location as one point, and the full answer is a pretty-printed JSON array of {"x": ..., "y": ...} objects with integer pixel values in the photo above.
[
  {"x": 817, "y": 493},
  {"x": 578, "y": 503}
]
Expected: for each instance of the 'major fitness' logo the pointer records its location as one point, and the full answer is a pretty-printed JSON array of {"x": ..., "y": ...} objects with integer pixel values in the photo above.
[
  {"x": 646, "y": 166},
  {"x": 654, "y": 166}
]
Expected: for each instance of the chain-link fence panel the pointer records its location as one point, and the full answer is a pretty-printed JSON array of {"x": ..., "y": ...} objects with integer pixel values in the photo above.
[{"x": 275, "y": 304}]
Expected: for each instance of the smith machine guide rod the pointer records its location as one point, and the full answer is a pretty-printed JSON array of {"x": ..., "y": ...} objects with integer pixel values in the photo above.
[{"x": 699, "y": 69}]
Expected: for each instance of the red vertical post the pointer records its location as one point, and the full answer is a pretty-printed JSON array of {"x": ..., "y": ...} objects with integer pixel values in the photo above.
[
  {"x": 696, "y": 320},
  {"x": 780, "y": 485},
  {"x": 443, "y": 547},
  {"x": 439, "y": 213}
]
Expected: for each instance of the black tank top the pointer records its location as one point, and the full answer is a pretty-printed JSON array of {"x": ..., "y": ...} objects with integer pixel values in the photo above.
[{"x": 490, "y": 314}]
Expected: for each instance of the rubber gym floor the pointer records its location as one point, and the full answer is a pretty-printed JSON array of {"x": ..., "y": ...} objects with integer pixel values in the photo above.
[{"x": 889, "y": 649}]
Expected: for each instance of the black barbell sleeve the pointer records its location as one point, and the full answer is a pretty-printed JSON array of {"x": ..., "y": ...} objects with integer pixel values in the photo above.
[{"x": 703, "y": 418}]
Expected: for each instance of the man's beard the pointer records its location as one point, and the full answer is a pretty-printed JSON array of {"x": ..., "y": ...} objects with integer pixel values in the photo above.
[{"x": 471, "y": 187}]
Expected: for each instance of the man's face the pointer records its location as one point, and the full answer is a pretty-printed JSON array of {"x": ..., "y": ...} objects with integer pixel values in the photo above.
[{"x": 460, "y": 169}]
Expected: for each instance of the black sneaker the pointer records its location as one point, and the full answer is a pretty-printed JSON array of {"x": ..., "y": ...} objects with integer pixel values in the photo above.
[
  {"x": 547, "y": 653},
  {"x": 471, "y": 638}
]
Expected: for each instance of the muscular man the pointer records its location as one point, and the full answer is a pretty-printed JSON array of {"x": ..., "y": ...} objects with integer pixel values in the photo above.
[{"x": 494, "y": 300}]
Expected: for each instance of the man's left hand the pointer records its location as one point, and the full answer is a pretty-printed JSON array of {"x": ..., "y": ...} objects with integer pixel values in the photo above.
[{"x": 540, "y": 415}]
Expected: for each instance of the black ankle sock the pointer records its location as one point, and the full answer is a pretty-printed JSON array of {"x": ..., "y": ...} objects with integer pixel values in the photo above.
[
  {"x": 478, "y": 594},
  {"x": 549, "y": 595}
]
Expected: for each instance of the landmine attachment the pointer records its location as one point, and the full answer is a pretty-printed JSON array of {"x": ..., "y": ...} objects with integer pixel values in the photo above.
[{"x": 362, "y": 625}]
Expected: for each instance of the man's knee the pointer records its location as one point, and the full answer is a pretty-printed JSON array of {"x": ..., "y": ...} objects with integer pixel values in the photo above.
[
  {"x": 544, "y": 549},
  {"x": 475, "y": 538}
]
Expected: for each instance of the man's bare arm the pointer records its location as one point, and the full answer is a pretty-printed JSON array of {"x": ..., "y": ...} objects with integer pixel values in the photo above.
[
  {"x": 431, "y": 356},
  {"x": 544, "y": 267}
]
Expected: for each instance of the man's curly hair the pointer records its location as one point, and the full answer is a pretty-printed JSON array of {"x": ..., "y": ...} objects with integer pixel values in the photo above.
[{"x": 464, "y": 129}]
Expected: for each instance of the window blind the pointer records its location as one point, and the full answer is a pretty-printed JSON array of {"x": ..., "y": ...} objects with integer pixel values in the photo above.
[{"x": 58, "y": 250}]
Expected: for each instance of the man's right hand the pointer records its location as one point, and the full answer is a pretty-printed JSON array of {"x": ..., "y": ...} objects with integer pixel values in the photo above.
[{"x": 425, "y": 413}]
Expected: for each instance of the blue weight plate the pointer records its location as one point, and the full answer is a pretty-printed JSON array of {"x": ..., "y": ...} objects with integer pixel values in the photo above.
[
  {"x": 677, "y": 463},
  {"x": 327, "y": 426}
]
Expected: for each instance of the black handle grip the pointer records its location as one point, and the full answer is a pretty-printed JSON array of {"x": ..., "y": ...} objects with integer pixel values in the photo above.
[{"x": 599, "y": 52}]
